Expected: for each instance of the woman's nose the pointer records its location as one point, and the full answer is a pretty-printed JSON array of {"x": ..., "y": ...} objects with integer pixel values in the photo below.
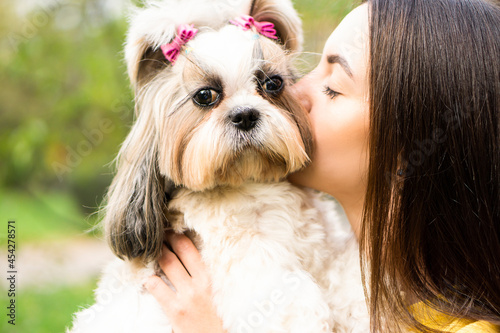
[{"x": 301, "y": 92}]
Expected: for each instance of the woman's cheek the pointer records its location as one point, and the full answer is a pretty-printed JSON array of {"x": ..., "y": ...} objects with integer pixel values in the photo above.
[
  {"x": 341, "y": 132},
  {"x": 340, "y": 129},
  {"x": 327, "y": 144}
]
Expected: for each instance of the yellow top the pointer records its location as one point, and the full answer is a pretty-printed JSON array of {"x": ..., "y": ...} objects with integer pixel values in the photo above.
[{"x": 437, "y": 320}]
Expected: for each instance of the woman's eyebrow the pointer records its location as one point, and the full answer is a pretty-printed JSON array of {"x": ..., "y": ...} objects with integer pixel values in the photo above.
[{"x": 337, "y": 59}]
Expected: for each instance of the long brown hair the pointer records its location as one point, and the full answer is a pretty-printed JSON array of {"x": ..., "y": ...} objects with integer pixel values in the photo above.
[{"x": 431, "y": 222}]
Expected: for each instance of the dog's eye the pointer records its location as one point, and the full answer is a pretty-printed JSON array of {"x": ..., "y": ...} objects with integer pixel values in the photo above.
[
  {"x": 273, "y": 85},
  {"x": 206, "y": 97}
]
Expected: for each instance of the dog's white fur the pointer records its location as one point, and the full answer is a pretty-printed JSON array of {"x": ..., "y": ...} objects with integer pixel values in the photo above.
[
  {"x": 279, "y": 257},
  {"x": 263, "y": 256}
]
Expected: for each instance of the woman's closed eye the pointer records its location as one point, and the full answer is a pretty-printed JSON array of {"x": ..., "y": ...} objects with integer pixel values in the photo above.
[{"x": 330, "y": 93}]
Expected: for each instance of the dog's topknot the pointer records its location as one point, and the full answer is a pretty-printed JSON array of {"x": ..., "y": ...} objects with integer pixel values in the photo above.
[{"x": 155, "y": 24}]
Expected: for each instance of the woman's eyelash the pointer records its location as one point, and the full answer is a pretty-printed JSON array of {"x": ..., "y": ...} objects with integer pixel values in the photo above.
[{"x": 330, "y": 93}]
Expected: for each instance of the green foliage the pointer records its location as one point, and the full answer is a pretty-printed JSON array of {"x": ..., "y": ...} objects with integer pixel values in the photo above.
[
  {"x": 49, "y": 309},
  {"x": 320, "y": 17},
  {"x": 57, "y": 88},
  {"x": 41, "y": 216}
]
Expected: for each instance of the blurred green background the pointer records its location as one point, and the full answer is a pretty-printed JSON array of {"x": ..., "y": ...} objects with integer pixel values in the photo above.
[{"x": 65, "y": 107}]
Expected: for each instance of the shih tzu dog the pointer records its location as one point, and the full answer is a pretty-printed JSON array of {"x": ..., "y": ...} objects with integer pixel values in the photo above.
[{"x": 218, "y": 130}]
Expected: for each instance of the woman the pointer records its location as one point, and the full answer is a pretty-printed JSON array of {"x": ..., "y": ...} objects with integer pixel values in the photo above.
[{"x": 405, "y": 107}]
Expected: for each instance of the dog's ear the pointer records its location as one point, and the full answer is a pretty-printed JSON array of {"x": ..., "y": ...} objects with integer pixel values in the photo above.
[
  {"x": 285, "y": 19},
  {"x": 150, "y": 27},
  {"x": 134, "y": 219},
  {"x": 143, "y": 62}
]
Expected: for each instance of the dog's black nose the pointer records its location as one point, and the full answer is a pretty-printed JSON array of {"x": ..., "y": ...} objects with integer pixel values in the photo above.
[{"x": 245, "y": 118}]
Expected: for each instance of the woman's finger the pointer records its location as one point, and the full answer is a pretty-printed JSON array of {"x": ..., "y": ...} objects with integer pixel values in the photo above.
[
  {"x": 195, "y": 313},
  {"x": 165, "y": 296},
  {"x": 187, "y": 253},
  {"x": 173, "y": 269}
]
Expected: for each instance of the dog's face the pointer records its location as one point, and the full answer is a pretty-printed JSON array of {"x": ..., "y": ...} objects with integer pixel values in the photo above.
[{"x": 223, "y": 114}]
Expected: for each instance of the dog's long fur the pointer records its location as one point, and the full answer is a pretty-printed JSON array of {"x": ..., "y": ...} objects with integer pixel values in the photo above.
[{"x": 278, "y": 260}]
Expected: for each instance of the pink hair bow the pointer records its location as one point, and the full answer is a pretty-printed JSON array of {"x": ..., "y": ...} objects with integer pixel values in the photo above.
[
  {"x": 185, "y": 32},
  {"x": 264, "y": 28}
]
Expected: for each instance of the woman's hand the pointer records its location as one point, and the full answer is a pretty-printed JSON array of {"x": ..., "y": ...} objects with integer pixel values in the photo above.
[{"x": 190, "y": 308}]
